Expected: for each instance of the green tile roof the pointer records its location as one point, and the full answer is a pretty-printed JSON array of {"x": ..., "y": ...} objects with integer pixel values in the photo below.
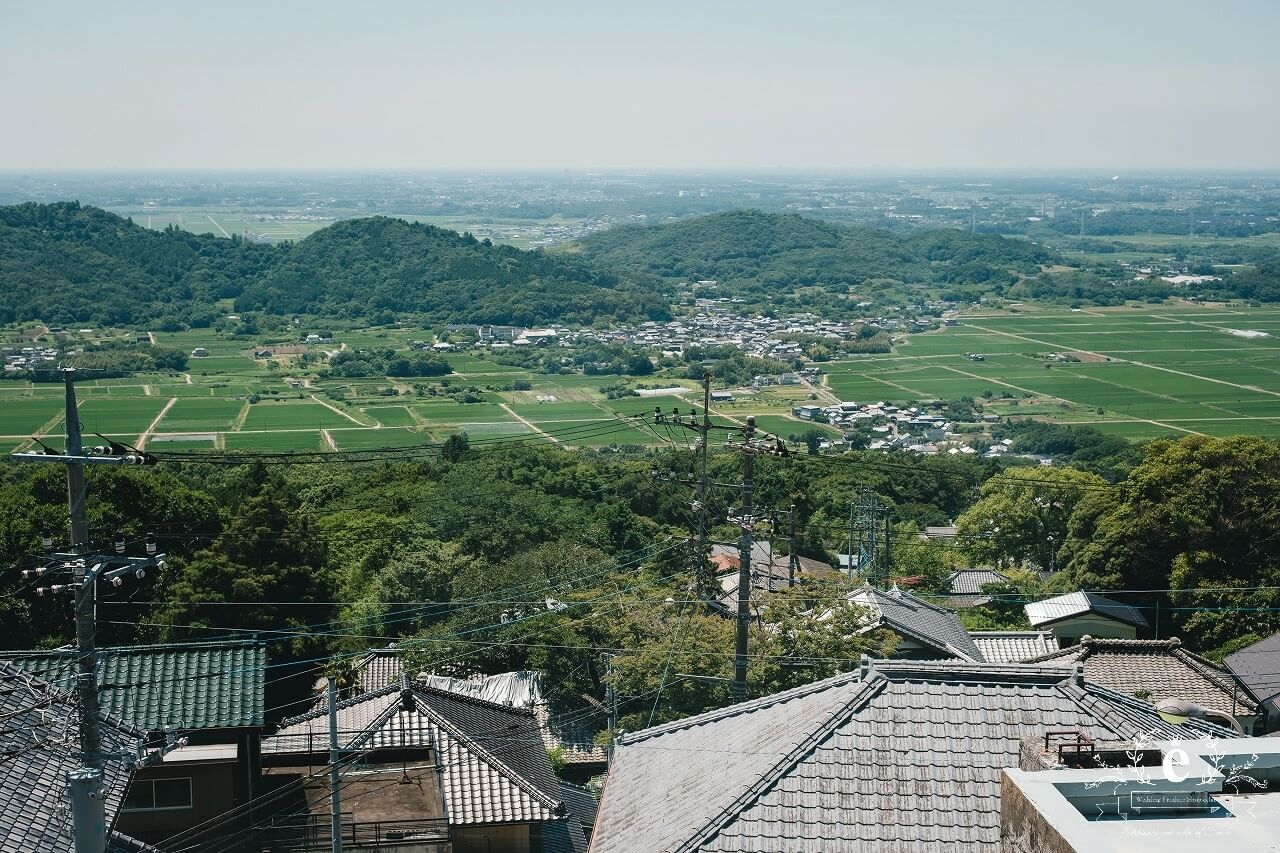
[{"x": 187, "y": 686}]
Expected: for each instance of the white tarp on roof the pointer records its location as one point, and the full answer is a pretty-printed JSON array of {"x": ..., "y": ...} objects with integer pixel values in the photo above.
[{"x": 514, "y": 689}]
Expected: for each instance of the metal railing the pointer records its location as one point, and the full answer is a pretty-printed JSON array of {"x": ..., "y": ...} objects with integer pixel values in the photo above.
[{"x": 313, "y": 833}]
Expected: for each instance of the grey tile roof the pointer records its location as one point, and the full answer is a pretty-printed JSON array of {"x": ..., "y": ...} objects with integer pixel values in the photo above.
[
  {"x": 521, "y": 689},
  {"x": 581, "y": 803},
  {"x": 1014, "y": 646},
  {"x": 901, "y": 756},
  {"x": 1163, "y": 669},
  {"x": 187, "y": 685},
  {"x": 494, "y": 766},
  {"x": 384, "y": 667},
  {"x": 1051, "y": 610},
  {"x": 916, "y": 619},
  {"x": 1257, "y": 667},
  {"x": 971, "y": 581},
  {"x": 37, "y": 744}
]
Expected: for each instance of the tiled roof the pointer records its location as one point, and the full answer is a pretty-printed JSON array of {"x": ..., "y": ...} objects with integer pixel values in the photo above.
[
  {"x": 971, "y": 581},
  {"x": 581, "y": 803},
  {"x": 1014, "y": 646},
  {"x": 1257, "y": 667},
  {"x": 385, "y": 667},
  {"x": 494, "y": 767},
  {"x": 916, "y": 619},
  {"x": 1162, "y": 669},
  {"x": 901, "y": 756},
  {"x": 1078, "y": 603},
  {"x": 37, "y": 741},
  {"x": 522, "y": 689},
  {"x": 187, "y": 686}
]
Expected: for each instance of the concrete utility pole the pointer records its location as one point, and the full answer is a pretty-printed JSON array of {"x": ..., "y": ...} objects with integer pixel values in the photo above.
[
  {"x": 335, "y": 791},
  {"x": 611, "y": 705},
  {"x": 744, "y": 567},
  {"x": 793, "y": 561},
  {"x": 703, "y": 427},
  {"x": 749, "y": 448},
  {"x": 85, "y": 785},
  {"x": 703, "y": 582}
]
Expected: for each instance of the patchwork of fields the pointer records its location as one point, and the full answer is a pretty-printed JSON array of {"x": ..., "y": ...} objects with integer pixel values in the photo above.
[{"x": 1139, "y": 373}]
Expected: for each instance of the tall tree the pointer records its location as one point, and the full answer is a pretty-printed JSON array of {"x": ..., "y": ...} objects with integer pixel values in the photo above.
[{"x": 1022, "y": 516}]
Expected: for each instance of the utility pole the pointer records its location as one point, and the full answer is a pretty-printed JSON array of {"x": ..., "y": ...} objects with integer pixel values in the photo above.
[
  {"x": 793, "y": 562},
  {"x": 849, "y": 549},
  {"x": 749, "y": 448},
  {"x": 888, "y": 549},
  {"x": 739, "y": 690},
  {"x": 611, "y": 705},
  {"x": 85, "y": 785},
  {"x": 335, "y": 790},
  {"x": 703, "y": 427},
  {"x": 702, "y": 582}
]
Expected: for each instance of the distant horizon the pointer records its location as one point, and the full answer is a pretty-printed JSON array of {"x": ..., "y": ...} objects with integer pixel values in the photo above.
[
  {"x": 825, "y": 86},
  {"x": 1119, "y": 173}
]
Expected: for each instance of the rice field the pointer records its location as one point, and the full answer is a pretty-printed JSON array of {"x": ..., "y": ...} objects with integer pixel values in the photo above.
[
  {"x": 1139, "y": 373},
  {"x": 1162, "y": 371}
]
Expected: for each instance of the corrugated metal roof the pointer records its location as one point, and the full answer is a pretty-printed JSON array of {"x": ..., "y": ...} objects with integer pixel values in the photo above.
[
  {"x": 494, "y": 766},
  {"x": 38, "y": 741},
  {"x": 1257, "y": 667},
  {"x": 1077, "y": 604},
  {"x": 187, "y": 686},
  {"x": 1014, "y": 646},
  {"x": 905, "y": 756},
  {"x": 1160, "y": 669},
  {"x": 916, "y": 619}
]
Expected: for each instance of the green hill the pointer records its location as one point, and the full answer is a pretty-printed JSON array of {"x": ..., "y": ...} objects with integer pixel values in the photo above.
[
  {"x": 66, "y": 263},
  {"x": 773, "y": 257},
  {"x": 359, "y": 266}
]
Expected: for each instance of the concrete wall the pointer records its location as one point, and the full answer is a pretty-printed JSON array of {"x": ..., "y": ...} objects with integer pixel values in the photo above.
[{"x": 1022, "y": 828}]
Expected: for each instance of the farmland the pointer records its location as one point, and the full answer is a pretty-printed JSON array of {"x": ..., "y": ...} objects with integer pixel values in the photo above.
[{"x": 1139, "y": 373}]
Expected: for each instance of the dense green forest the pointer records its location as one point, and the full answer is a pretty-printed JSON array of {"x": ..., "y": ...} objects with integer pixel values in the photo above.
[
  {"x": 64, "y": 263},
  {"x": 528, "y": 556},
  {"x": 766, "y": 256}
]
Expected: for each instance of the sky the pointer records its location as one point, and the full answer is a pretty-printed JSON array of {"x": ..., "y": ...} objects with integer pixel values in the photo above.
[{"x": 877, "y": 85}]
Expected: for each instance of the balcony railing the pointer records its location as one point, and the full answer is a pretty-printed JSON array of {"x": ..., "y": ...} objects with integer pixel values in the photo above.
[{"x": 313, "y": 833}]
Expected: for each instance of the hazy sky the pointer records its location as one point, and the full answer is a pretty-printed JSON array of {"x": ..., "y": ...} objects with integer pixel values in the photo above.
[{"x": 796, "y": 84}]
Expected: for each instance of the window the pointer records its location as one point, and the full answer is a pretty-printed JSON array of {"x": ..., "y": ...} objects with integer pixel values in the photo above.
[{"x": 158, "y": 795}]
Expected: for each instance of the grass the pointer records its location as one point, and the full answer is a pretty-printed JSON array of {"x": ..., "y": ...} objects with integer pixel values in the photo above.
[
  {"x": 391, "y": 416},
  {"x": 274, "y": 441},
  {"x": 1158, "y": 366},
  {"x": 25, "y": 416},
  {"x": 126, "y": 416},
  {"x": 370, "y": 439},
  {"x": 291, "y": 415},
  {"x": 196, "y": 414}
]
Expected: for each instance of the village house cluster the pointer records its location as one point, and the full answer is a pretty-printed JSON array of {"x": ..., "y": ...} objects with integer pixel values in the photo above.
[
  {"x": 712, "y": 323},
  {"x": 21, "y": 359}
]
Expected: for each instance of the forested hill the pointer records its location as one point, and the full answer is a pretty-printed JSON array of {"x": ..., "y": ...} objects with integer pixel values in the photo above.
[
  {"x": 764, "y": 254},
  {"x": 65, "y": 263},
  {"x": 360, "y": 265}
]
